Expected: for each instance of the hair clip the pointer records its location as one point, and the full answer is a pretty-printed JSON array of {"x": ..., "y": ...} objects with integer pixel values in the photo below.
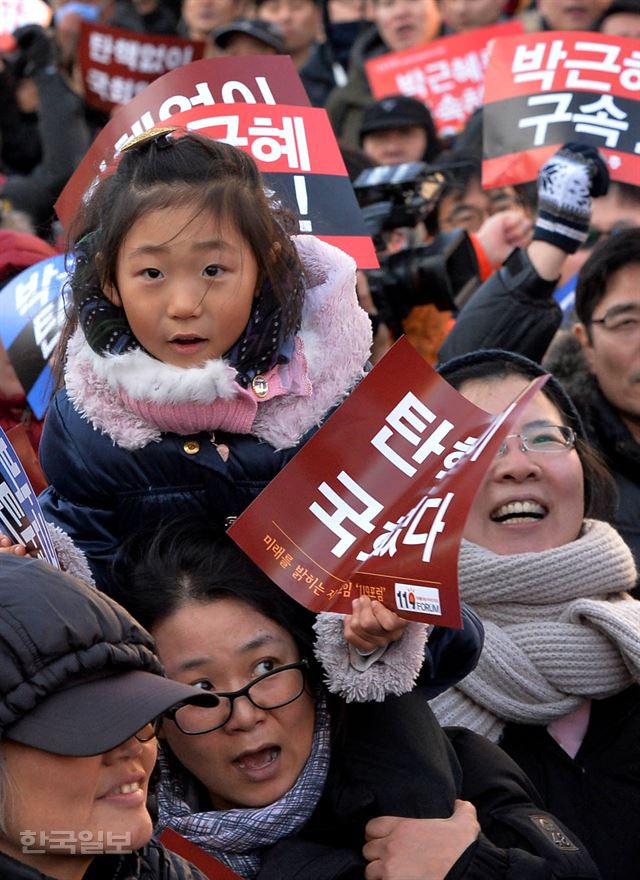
[{"x": 159, "y": 135}]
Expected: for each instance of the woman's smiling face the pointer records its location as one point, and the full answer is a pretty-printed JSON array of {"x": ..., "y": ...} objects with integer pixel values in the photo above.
[
  {"x": 257, "y": 756},
  {"x": 528, "y": 501}
]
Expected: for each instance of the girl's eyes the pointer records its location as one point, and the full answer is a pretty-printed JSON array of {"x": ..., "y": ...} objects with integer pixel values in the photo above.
[
  {"x": 152, "y": 273},
  {"x": 213, "y": 271}
]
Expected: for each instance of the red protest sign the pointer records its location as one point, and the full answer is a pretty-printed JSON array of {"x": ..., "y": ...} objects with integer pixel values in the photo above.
[
  {"x": 543, "y": 90},
  {"x": 377, "y": 499},
  {"x": 447, "y": 74},
  {"x": 296, "y": 150},
  {"x": 256, "y": 79},
  {"x": 116, "y": 65}
]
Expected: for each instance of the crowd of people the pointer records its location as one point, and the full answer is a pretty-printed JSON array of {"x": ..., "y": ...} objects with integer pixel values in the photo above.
[{"x": 166, "y": 711}]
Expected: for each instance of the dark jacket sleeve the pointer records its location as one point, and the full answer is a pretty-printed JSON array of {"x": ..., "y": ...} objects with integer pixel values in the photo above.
[
  {"x": 64, "y": 138},
  {"x": 520, "y": 840},
  {"x": 513, "y": 310},
  {"x": 451, "y": 654}
]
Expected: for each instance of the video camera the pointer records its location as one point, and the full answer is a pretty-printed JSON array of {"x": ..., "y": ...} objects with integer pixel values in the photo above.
[{"x": 443, "y": 272}]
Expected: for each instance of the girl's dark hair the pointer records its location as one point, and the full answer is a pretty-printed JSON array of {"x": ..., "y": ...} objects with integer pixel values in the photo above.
[
  {"x": 600, "y": 492},
  {"x": 157, "y": 571},
  {"x": 183, "y": 169}
]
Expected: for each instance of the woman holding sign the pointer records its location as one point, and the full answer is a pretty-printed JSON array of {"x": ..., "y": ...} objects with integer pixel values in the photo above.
[
  {"x": 282, "y": 778},
  {"x": 557, "y": 682}
]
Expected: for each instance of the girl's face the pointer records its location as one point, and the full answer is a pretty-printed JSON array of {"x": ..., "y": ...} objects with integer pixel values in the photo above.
[
  {"x": 528, "y": 501},
  {"x": 75, "y": 807},
  {"x": 258, "y": 755},
  {"x": 188, "y": 296}
]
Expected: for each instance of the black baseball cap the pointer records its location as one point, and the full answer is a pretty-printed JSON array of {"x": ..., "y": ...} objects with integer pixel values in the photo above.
[
  {"x": 78, "y": 674},
  {"x": 263, "y": 31},
  {"x": 396, "y": 111}
]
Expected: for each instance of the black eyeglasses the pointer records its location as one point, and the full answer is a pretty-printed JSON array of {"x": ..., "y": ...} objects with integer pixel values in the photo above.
[
  {"x": 623, "y": 320},
  {"x": 548, "y": 438},
  {"x": 147, "y": 733},
  {"x": 272, "y": 690}
]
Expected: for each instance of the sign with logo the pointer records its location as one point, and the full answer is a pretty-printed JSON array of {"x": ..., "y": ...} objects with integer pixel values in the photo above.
[
  {"x": 546, "y": 89},
  {"x": 377, "y": 499},
  {"x": 447, "y": 74}
]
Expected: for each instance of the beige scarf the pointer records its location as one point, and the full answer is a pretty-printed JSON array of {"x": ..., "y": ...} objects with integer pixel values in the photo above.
[{"x": 559, "y": 627}]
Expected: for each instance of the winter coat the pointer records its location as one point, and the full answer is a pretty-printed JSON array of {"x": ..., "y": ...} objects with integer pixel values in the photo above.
[
  {"x": 598, "y": 791},
  {"x": 153, "y": 862},
  {"x": 346, "y": 104},
  {"x": 520, "y": 839},
  {"x": 64, "y": 138},
  {"x": 515, "y": 310},
  {"x": 110, "y": 471}
]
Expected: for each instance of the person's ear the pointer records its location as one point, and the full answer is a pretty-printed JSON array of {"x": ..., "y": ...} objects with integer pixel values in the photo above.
[
  {"x": 582, "y": 335},
  {"x": 109, "y": 290}
]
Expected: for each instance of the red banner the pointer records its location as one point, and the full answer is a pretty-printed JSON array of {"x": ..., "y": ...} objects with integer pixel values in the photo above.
[
  {"x": 242, "y": 102},
  {"x": 543, "y": 90},
  {"x": 377, "y": 499},
  {"x": 116, "y": 65},
  {"x": 257, "y": 79},
  {"x": 447, "y": 74},
  {"x": 296, "y": 151}
]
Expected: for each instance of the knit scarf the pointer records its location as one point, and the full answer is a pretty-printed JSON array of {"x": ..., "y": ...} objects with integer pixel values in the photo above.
[
  {"x": 235, "y": 837},
  {"x": 559, "y": 628}
]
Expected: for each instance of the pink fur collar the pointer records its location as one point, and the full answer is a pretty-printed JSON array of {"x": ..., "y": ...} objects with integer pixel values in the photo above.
[{"x": 334, "y": 340}]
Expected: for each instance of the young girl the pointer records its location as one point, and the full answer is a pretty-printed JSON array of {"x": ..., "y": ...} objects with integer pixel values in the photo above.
[{"x": 204, "y": 344}]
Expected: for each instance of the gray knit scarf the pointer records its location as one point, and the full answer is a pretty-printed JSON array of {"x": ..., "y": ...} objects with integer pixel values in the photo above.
[
  {"x": 235, "y": 837},
  {"x": 559, "y": 628}
]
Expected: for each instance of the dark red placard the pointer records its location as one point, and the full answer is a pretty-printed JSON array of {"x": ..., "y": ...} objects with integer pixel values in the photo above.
[
  {"x": 296, "y": 150},
  {"x": 116, "y": 64},
  {"x": 252, "y": 79},
  {"x": 377, "y": 499},
  {"x": 447, "y": 74}
]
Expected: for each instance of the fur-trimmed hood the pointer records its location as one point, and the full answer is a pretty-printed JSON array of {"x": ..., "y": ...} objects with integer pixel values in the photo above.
[{"x": 332, "y": 348}]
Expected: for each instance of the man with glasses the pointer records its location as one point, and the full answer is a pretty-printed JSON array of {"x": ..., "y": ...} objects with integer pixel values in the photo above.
[{"x": 599, "y": 359}]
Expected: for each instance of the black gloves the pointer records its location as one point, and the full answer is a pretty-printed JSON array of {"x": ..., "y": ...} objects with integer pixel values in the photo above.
[{"x": 566, "y": 184}]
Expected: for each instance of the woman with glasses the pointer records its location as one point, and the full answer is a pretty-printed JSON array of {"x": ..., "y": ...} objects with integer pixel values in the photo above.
[
  {"x": 283, "y": 779},
  {"x": 81, "y": 688},
  {"x": 557, "y": 682}
]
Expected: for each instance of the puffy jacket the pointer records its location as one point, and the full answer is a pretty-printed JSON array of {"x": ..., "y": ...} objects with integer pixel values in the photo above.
[
  {"x": 153, "y": 862},
  {"x": 110, "y": 470}
]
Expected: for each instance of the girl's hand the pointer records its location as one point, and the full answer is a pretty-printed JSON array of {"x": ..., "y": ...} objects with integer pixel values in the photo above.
[
  {"x": 372, "y": 625},
  {"x": 7, "y": 546}
]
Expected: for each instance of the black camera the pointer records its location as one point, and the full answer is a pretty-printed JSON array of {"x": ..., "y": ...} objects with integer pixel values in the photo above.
[{"x": 443, "y": 272}]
